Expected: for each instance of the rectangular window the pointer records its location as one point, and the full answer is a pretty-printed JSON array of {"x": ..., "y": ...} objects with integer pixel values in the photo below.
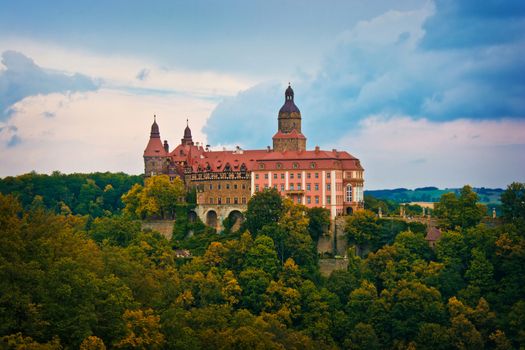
[
  {"x": 243, "y": 186},
  {"x": 299, "y": 187},
  {"x": 256, "y": 188},
  {"x": 291, "y": 187},
  {"x": 316, "y": 199},
  {"x": 328, "y": 175},
  {"x": 256, "y": 176},
  {"x": 211, "y": 186},
  {"x": 328, "y": 187},
  {"x": 308, "y": 188},
  {"x": 234, "y": 186},
  {"x": 275, "y": 186},
  {"x": 266, "y": 176},
  {"x": 317, "y": 187},
  {"x": 275, "y": 176},
  {"x": 219, "y": 186},
  {"x": 298, "y": 175},
  {"x": 243, "y": 200},
  {"x": 227, "y": 200},
  {"x": 316, "y": 175},
  {"x": 291, "y": 175},
  {"x": 282, "y": 187},
  {"x": 235, "y": 200},
  {"x": 299, "y": 200},
  {"x": 211, "y": 200},
  {"x": 328, "y": 199},
  {"x": 219, "y": 200},
  {"x": 282, "y": 176},
  {"x": 227, "y": 186},
  {"x": 265, "y": 186},
  {"x": 308, "y": 175},
  {"x": 308, "y": 199}
]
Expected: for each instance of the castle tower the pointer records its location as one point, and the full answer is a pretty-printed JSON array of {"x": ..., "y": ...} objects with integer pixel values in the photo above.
[
  {"x": 155, "y": 154},
  {"x": 289, "y": 136},
  {"x": 187, "y": 139}
]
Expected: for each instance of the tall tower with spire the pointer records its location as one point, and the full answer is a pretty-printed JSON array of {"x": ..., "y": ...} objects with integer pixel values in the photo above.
[
  {"x": 187, "y": 139},
  {"x": 155, "y": 154},
  {"x": 289, "y": 136}
]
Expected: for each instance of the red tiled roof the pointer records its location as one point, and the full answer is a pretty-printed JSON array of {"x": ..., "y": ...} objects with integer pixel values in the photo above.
[
  {"x": 154, "y": 148},
  {"x": 292, "y": 135},
  {"x": 217, "y": 160}
]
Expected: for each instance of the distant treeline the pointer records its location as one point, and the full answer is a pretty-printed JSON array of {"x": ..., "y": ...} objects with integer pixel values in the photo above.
[
  {"x": 95, "y": 194},
  {"x": 433, "y": 194}
]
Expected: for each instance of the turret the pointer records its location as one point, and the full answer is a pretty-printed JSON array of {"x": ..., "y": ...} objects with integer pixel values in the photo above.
[
  {"x": 155, "y": 154},
  {"x": 289, "y": 136},
  {"x": 187, "y": 139}
]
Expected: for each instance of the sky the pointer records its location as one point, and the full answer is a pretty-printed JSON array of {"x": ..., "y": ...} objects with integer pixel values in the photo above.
[{"x": 424, "y": 93}]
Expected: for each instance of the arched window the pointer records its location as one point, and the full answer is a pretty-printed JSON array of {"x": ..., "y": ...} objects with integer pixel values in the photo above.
[{"x": 348, "y": 193}]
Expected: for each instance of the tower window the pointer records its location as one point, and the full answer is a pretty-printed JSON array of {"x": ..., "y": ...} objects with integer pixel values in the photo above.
[{"x": 348, "y": 193}]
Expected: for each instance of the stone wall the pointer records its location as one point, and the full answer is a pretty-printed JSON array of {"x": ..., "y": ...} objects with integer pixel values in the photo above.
[
  {"x": 289, "y": 144},
  {"x": 327, "y": 266},
  {"x": 164, "y": 227},
  {"x": 222, "y": 211}
]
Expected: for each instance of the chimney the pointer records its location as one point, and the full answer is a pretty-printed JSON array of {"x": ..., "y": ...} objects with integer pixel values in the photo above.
[
  {"x": 268, "y": 149},
  {"x": 316, "y": 149},
  {"x": 166, "y": 146}
]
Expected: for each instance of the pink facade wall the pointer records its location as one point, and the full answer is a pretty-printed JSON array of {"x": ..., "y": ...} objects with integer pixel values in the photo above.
[{"x": 312, "y": 188}]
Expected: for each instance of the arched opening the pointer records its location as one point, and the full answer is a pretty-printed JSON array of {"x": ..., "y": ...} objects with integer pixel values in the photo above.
[
  {"x": 211, "y": 218},
  {"x": 236, "y": 219},
  {"x": 349, "y": 211},
  {"x": 192, "y": 216}
]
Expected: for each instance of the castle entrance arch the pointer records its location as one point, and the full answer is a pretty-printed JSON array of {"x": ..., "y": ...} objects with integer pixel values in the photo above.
[
  {"x": 236, "y": 219},
  {"x": 211, "y": 218}
]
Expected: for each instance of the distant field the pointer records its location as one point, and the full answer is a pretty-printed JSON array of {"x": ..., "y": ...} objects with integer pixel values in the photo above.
[{"x": 432, "y": 194}]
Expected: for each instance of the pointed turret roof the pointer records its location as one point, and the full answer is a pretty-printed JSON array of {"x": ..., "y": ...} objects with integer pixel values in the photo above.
[
  {"x": 155, "y": 148},
  {"x": 289, "y": 105}
]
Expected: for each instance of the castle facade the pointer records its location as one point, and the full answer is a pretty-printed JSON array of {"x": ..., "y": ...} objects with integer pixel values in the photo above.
[{"x": 225, "y": 180}]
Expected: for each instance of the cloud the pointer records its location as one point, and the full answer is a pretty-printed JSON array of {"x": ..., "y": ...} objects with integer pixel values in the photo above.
[
  {"x": 471, "y": 23},
  {"x": 382, "y": 66},
  {"x": 103, "y": 130},
  {"x": 121, "y": 72},
  {"x": 247, "y": 119},
  {"x": 143, "y": 74},
  {"x": 399, "y": 151},
  {"x": 22, "y": 77}
]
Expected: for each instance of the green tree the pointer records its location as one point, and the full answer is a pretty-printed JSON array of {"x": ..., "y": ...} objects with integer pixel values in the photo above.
[
  {"x": 118, "y": 230},
  {"x": 262, "y": 255},
  {"x": 513, "y": 203},
  {"x": 265, "y": 207},
  {"x": 318, "y": 223},
  {"x": 157, "y": 199},
  {"x": 142, "y": 330},
  {"x": 363, "y": 337},
  {"x": 460, "y": 211},
  {"x": 362, "y": 229}
]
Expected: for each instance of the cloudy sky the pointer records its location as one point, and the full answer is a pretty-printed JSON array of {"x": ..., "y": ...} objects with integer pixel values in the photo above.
[{"x": 423, "y": 92}]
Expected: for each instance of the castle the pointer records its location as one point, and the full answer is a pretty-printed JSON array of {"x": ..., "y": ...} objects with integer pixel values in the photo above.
[{"x": 225, "y": 180}]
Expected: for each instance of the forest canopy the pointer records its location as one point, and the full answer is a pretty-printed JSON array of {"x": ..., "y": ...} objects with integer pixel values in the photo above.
[{"x": 72, "y": 280}]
